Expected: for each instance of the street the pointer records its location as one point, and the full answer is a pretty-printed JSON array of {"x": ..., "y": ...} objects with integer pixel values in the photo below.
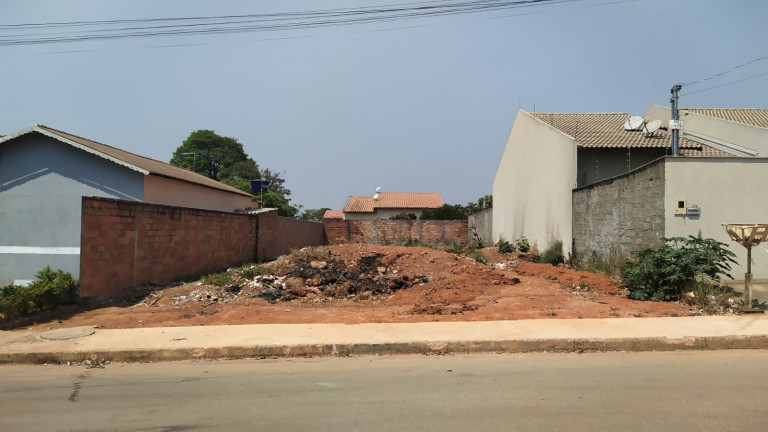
[{"x": 682, "y": 391}]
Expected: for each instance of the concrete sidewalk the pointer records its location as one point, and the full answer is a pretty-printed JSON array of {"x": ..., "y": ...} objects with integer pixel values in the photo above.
[{"x": 292, "y": 340}]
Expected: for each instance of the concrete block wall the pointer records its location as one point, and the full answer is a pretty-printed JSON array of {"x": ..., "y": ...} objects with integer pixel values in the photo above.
[
  {"x": 395, "y": 231},
  {"x": 621, "y": 214},
  {"x": 480, "y": 227}
]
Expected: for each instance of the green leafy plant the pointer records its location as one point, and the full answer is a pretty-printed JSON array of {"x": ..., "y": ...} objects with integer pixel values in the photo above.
[
  {"x": 670, "y": 270},
  {"x": 49, "y": 290},
  {"x": 506, "y": 247},
  {"x": 553, "y": 254},
  {"x": 522, "y": 245}
]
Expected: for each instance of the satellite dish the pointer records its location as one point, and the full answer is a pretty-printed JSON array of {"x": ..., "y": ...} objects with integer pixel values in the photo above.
[
  {"x": 652, "y": 126},
  {"x": 378, "y": 188},
  {"x": 633, "y": 123},
  {"x": 376, "y": 196}
]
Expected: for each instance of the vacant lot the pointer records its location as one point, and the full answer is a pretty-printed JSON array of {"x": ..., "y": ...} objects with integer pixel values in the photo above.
[{"x": 367, "y": 283}]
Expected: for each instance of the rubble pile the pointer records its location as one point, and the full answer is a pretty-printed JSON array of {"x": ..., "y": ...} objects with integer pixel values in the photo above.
[
  {"x": 317, "y": 272},
  {"x": 308, "y": 273}
]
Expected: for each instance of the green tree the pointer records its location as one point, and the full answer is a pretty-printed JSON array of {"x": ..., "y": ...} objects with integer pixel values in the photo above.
[
  {"x": 446, "y": 212},
  {"x": 276, "y": 182},
  {"x": 245, "y": 170},
  {"x": 272, "y": 199},
  {"x": 207, "y": 153},
  {"x": 313, "y": 214}
]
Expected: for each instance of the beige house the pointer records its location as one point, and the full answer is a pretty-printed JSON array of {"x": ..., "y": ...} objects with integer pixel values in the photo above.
[
  {"x": 586, "y": 180},
  {"x": 384, "y": 205}
]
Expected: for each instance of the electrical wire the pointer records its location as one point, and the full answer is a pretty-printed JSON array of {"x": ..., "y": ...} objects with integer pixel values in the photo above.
[
  {"x": 82, "y": 31},
  {"x": 726, "y": 72},
  {"x": 726, "y": 84}
]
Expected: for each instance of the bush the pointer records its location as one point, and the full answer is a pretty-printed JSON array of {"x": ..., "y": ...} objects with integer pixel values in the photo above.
[
  {"x": 522, "y": 245},
  {"x": 49, "y": 290},
  {"x": 553, "y": 254},
  {"x": 672, "y": 269},
  {"x": 506, "y": 247}
]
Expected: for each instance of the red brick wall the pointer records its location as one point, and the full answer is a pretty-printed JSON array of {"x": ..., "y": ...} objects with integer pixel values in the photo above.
[
  {"x": 127, "y": 243},
  {"x": 395, "y": 231},
  {"x": 277, "y": 235}
]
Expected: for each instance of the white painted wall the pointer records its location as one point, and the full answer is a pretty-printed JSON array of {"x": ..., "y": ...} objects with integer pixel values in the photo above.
[
  {"x": 163, "y": 190},
  {"x": 728, "y": 190},
  {"x": 532, "y": 188}
]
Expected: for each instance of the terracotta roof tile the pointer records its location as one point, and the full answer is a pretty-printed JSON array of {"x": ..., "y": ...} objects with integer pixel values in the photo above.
[
  {"x": 152, "y": 166},
  {"x": 333, "y": 214},
  {"x": 606, "y": 130},
  {"x": 393, "y": 200},
  {"x": 749, "y": 116}
]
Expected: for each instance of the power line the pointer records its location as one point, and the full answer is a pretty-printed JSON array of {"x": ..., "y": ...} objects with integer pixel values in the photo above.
[
  {"x": 726, "y": 84},
  {"x": 725, "y": 72},
  {"x": 82, "y": 31}
]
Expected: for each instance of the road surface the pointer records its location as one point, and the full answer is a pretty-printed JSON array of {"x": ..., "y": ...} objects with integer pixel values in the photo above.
[{"x": 681, "y": 391}]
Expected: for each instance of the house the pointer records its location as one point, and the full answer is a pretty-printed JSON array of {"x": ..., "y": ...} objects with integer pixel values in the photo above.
[
  {"x": 333, "y": 215},
  {"x": 384, "y": 205},
  {"x": 45, "y": 172},
  {"x": 586, "y": 180}
]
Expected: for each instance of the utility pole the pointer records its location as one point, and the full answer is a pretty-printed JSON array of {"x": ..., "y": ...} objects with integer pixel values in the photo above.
[{"x": 675, "y": 124}]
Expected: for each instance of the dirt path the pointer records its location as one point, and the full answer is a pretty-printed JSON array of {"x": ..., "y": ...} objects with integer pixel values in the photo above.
[{"x": 366, "y": 283}]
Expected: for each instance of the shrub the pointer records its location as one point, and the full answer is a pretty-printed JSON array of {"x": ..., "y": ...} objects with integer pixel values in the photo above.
[
  {"x": 506, "y": 247},
  {"x": 522, "y": 245},
  {"x": 669, "y": 271},
  {"x": 554, "y": 253},
  {"x": 49, "y": 290}
]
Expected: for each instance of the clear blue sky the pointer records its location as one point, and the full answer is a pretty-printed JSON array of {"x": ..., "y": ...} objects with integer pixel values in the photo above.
[{"x": 422, "y": 105}]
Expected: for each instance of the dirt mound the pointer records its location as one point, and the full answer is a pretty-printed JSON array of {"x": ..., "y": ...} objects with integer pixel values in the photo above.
[{"x": 358, "y": 283}]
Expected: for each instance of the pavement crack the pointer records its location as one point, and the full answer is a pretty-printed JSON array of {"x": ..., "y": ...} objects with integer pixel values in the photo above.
[{"x": 77, "y": 386}]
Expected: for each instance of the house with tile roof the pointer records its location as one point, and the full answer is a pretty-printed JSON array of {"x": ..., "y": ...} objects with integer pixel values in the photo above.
[
  {"x": 586, "y": 180},
  {"x": 384, "y": 205},
  {"x": 44, "y": 173}
]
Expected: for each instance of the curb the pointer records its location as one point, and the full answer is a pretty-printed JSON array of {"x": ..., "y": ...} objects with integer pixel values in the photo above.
[{"x": 424, "y": 348}]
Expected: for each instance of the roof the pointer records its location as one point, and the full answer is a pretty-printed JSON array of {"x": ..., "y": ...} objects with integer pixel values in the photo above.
[
  {"x": 393, "y": 200},
  {"x": 749, "y": 116},
  {"x": 333, "y": 214},
  {"x": 129, "y": 160},
  {"x": 606, "y": 130}
]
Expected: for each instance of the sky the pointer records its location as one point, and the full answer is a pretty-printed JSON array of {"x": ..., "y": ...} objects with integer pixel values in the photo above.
[{"x": 418, "y": 105}]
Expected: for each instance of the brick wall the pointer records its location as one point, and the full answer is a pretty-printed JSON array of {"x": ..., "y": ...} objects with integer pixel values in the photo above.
[
  {"x": 619, "y": 215},
  {"x": 277, "y": 235},
  {"x": 127, "y": 243},
  {"x": 395, "y": 231}
]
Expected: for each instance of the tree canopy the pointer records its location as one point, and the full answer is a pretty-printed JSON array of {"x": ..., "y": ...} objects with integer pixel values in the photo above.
[
  {"x": 207, "y": 153},
  {"x": 224, "y": 159}
]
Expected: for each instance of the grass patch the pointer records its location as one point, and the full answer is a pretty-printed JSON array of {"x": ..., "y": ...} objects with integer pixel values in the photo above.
[{"x": 553, "y": 254}]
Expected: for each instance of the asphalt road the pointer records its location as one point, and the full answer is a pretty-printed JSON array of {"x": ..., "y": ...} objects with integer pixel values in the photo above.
[{"x": 681, "y": 391}]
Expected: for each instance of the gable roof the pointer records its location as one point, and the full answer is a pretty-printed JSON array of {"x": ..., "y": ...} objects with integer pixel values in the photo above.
[
  {"x": 757, "y": 117},
  {"x": 606, "y": 130},
  {"x": 129, "y": 160},
  {"x": 333, "y": 214},
  {"x": 393, "y": 200}
]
